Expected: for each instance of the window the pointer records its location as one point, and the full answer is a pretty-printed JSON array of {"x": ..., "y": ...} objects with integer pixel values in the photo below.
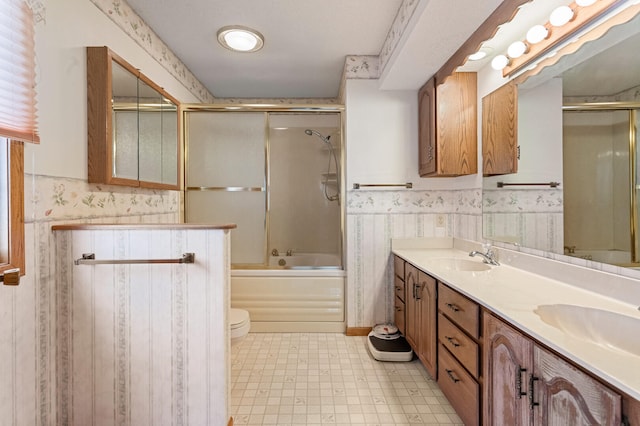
[
  {"x": 11, "y": 209},
  {"x": 18, "y": 124}
]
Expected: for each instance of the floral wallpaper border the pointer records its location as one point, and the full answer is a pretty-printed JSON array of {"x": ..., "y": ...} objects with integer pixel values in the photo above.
[
  {"x": 398, "y": 28},
  {"x": 467, "y": 201},
  {"x": 55, "y": 198},
  {"x": 521, "y": 201}
]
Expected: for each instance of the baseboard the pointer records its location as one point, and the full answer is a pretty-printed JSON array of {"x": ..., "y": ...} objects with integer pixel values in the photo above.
[{"x": 358, "y": 331}]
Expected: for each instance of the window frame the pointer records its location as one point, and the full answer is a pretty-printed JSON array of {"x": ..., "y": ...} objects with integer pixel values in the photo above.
[{"x": 15, "y": 188}]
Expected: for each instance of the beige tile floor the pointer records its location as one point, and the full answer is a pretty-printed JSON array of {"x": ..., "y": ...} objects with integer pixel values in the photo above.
[{"x": 325, "y": 378}]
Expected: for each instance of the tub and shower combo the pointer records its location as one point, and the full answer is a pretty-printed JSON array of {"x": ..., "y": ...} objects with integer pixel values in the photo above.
[{"x": 276, "y": 173}]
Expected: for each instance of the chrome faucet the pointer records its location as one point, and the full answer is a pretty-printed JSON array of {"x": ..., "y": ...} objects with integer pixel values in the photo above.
[{"x": 488, "y": 257}]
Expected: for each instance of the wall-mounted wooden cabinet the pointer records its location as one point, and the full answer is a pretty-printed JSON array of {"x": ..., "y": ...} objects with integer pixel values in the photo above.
[
  {"x": 133, "y": 125},
  {"x": 500, "y": 131},
  {"x": 447, "y": 126}
]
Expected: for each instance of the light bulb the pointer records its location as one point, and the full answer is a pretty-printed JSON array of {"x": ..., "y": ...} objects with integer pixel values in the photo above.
[
  {"x": 537, "y": 33},
  {"x": 477, "y": 56},
  {"x": 585, "y": 3},
  {"x": 517, "y": 49},
  {"x": 499, "y": 62},
  {"x": 561, "y": 16}
]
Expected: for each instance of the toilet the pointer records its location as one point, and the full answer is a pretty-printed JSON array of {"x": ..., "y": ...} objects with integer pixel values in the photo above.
[{"x": 239, "y": 325}]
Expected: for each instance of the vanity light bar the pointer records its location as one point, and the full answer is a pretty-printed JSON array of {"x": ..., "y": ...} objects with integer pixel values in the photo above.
[{"x": 556, "y": 34}]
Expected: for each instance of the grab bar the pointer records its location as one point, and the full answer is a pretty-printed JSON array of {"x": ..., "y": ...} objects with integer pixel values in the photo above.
[
  {"x": 90, "y": 259},
  {"x": 407, "y": 185},
  {"x": 551, "y": 184}
]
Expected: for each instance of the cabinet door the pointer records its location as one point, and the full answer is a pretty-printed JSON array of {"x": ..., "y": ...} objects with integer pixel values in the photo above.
[
  {"x": 457, "y": 124},
  {"x": 567, "y": 396},
  {"x": 427, "y": 128},
  {"x": 427, "y": 344},
  {"x": 507, "y": 364},
  {"x": 500, "y": 131},
  {"x": 412, "y": 316}
]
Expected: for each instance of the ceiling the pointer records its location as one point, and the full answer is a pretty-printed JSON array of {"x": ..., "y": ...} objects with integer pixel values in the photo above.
[{"x": 306, "y": 41}]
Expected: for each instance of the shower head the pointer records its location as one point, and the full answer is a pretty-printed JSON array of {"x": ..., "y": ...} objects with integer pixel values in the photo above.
[{"x": 310, "y": 132}]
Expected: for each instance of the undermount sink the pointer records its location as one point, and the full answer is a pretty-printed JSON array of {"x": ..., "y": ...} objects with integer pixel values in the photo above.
[
  {"x": 461, "y": 264},
  {"x": 605, "y": 328}
]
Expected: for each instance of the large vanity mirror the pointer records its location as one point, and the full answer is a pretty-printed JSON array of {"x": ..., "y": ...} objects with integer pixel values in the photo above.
[
  {"x": 133, "y": 125},
  {"x": 576, "y": 188}
]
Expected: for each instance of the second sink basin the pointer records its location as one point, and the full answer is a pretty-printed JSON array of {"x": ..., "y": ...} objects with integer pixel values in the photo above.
[
  {"x": 461, "y": 264},
  {"x": 605, "y": 328}
]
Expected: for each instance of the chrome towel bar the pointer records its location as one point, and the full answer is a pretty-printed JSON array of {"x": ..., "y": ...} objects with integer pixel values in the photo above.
[
  {"x": 407, "y": 185},
  {"x": 550, "y": 184},
  {"x": 90, "y": 259}
]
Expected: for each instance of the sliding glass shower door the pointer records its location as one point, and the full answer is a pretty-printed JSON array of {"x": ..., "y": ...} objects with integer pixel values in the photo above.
[{"x": 225, "y": 177}]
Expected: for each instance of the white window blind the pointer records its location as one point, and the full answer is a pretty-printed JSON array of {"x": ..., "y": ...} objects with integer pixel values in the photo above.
[{"x": 18, "y": 107}]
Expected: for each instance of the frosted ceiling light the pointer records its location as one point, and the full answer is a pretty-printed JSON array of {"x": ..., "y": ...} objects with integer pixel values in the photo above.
[
  {"x": 585, "y": 3},
  {"x": 517, "y": 49},
  {"x": 561, "y": 16},
  {"x": 240, "y": 39},
  {"x": 499, "y": 62},
  {"x": 537, "y": 33}
]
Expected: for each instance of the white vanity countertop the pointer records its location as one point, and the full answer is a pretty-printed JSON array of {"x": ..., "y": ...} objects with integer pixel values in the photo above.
[{"x": 514, "y": 294}]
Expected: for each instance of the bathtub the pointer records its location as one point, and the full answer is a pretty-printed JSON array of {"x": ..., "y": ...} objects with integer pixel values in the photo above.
[{"x": 300, "y": 293}]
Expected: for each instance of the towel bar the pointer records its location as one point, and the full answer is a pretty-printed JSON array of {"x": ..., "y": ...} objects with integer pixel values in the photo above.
[{"x": 90, "y": 259}]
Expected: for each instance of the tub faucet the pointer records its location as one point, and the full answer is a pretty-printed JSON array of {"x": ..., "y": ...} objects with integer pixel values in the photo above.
[
  {"x": 274, "y": 252},
  {"x": 290, "y": 252},
  {"x": 488, "y": 257}
]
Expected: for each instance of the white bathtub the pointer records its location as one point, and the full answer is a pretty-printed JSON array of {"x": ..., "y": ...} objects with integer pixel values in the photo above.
[{"x": 307, "y": 294}]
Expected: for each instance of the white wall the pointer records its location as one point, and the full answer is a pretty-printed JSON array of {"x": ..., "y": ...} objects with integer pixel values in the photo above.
[{"x": 70, "y": 26}]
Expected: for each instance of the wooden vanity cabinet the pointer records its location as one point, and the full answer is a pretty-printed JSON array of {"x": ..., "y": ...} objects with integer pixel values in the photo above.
[
  {"x": 399, "y": 290},
  {"x": 525, "y": 384},
  {"x": 447, "y": 126},
  {"x": 500, "y": 131},
  {"x": 459, "y": 338},
  {"x": 421, "y": 316}
]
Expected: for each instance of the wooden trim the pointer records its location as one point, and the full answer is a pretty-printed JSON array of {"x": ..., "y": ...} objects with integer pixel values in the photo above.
[
  {"x": 358, "y": 331},
  {"x": 501, "y": 15},
  {"x": 15, "y": 151}
]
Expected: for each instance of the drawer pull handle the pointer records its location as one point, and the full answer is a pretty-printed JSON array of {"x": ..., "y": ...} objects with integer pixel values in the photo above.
[
  {"x": 452, "y": 340},
  {"x": 519, "y": 382},
  {"x": 398, "y": 309},
  {"x": 398, "y": 288},
  {"x": 453, "y": 307},
  {"x": 532, "y": 403},
  {"x": 453, "y": 378}
]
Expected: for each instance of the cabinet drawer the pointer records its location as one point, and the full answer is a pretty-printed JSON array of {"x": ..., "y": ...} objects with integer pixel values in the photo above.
[
  {"x": 398, "y": 286},
  {"x": 462, "y": 391},
  {"x": 398, "y": 266},
  {"x": 459, "y": 344},
  {"x": 462, "y": 311},
  {"x": 399, "y": 315}
]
